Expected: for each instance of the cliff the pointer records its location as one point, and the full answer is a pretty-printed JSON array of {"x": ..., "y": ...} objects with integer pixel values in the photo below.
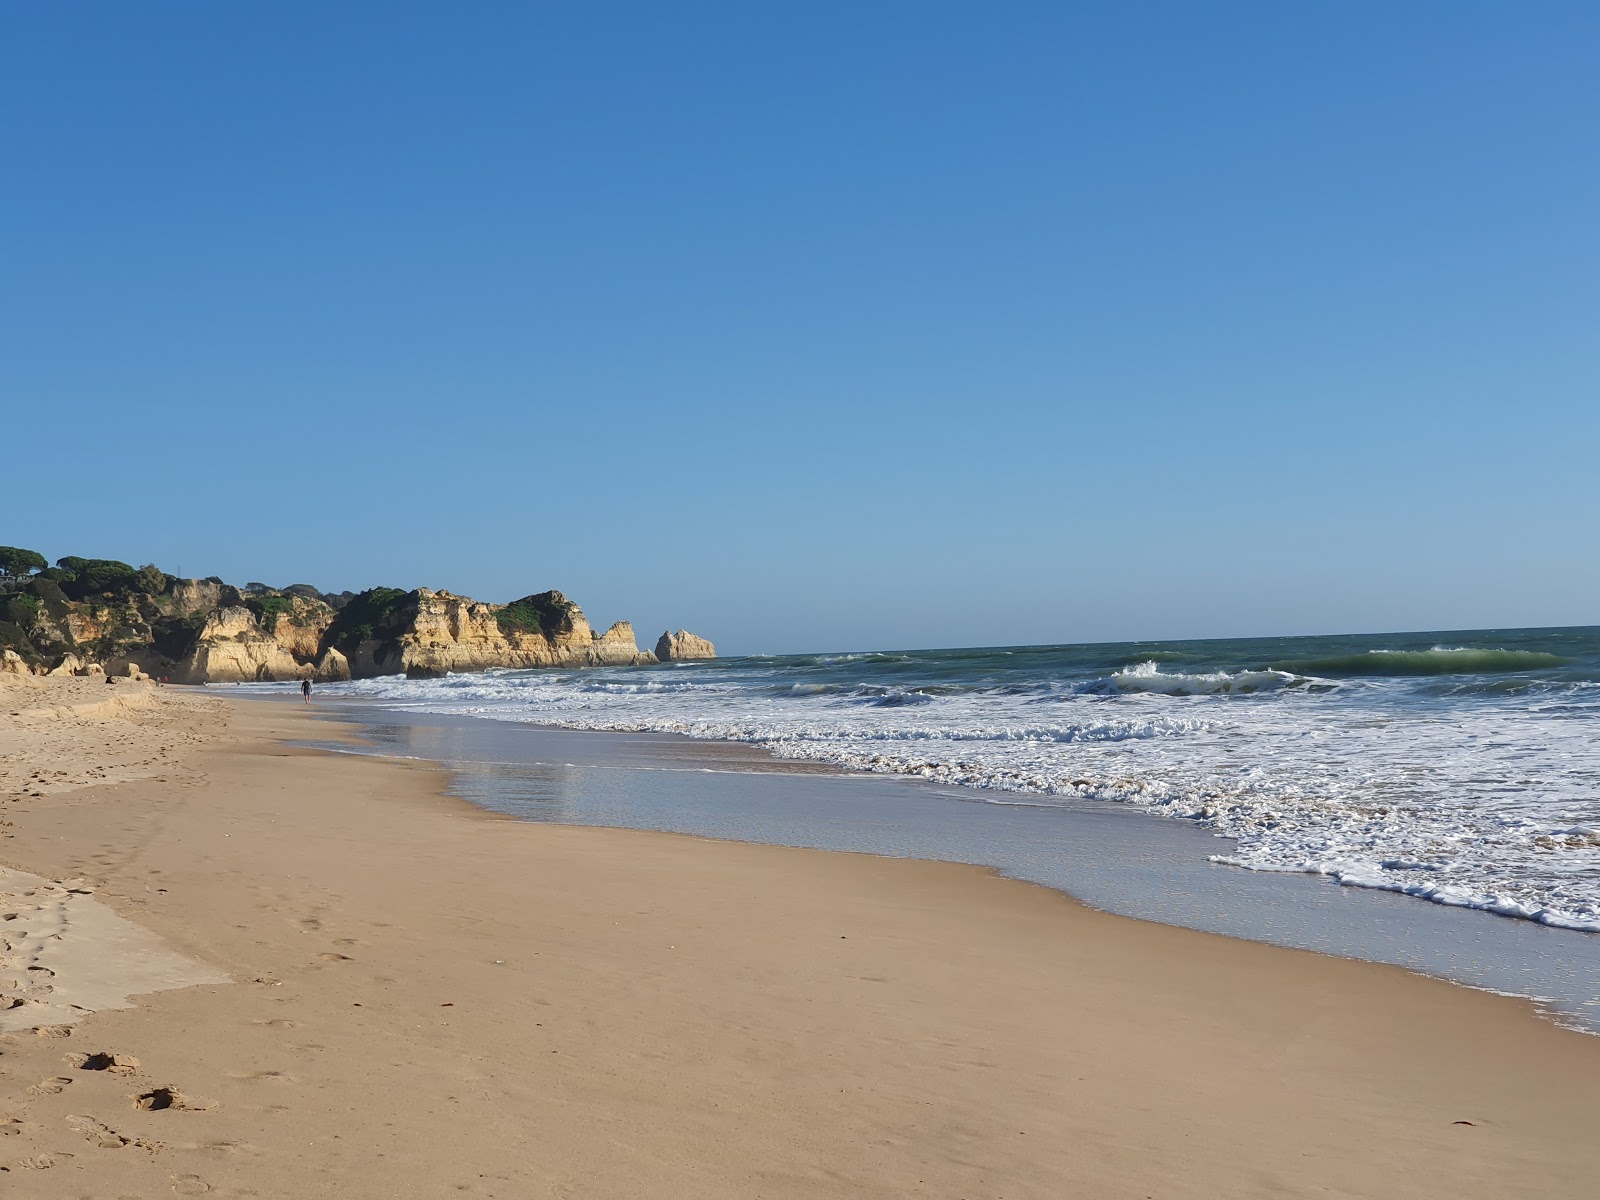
[
  {"x": 206, "y": 631},
  {"x": 239, "y": 644},
  {"x": 436, "y": 633}
]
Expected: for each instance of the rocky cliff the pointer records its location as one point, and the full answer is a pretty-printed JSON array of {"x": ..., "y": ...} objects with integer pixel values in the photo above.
[
  {"x": 238, "y": 644},
  {"x": 437, "y": 633},
  {"x": 206, "y": 631}
]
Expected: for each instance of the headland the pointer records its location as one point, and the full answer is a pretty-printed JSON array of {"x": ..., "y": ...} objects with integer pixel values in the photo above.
[{"x": 101, "y": 616}]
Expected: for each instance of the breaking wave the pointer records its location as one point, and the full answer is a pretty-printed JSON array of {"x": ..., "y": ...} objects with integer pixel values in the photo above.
[{"x": 1148, "y": 677}]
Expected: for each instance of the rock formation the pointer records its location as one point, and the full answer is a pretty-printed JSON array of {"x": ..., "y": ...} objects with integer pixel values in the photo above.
[
  {"x": 675, "y": 647},
  {"x": 450, "y": 633},
  {"x": 332, "y": 667},
  {"x": 205, "y": 631}
]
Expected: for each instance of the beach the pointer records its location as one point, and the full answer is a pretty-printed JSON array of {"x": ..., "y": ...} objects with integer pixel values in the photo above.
[{"x": 342, "y": 982}]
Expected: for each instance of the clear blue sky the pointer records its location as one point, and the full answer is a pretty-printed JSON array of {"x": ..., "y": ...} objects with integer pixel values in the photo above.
[{"x": 818, "y": 326}]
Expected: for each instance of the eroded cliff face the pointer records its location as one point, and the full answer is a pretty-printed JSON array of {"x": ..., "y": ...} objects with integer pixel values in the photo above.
[
  {"x": 451, "y": 633},
  {"x": 242, "y": 645},
  {"x": 201, "y": 631},
  {"x": 421, "y": 634},
  {"x": 191, "y": 596}
]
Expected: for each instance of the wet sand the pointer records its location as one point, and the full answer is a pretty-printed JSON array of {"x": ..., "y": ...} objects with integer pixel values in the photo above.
[{"x": 422, "y": 999}]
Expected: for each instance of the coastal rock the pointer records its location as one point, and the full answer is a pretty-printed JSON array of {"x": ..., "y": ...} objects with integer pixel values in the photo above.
[
  {"x": 248, "y": 661},
  {"x": 676, "y": 647},
  {"x": 191, "y": 596},
  {"x": 448, "y": 633},
  {"x": 228, "y": 624},
  {"x": 332, "y": 667},
  {"x": 12, "y": 663},
  {"x": 203, "y": 630},
  {"x": 137, "y": 663},
  {"x": 615, "y": 647},
  {"x": 300, "y": 628},
  {"x": 87, "y": 623},
  {"x": 232, "y": 648}
]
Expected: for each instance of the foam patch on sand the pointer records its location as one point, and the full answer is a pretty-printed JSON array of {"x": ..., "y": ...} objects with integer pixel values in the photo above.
[{"x": 63, "y": 955}]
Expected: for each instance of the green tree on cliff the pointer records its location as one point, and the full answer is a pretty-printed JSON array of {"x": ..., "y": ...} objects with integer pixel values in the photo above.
[
  {"x": 15, "y": 562},
  {"x": 92, "y": 576}
]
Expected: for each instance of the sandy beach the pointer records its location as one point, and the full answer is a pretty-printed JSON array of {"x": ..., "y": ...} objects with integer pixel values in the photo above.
[{"x": 239, "y": 968}]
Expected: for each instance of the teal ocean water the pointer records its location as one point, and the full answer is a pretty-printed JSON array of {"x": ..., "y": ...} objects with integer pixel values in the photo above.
[{"x": 1458, "y": 767}]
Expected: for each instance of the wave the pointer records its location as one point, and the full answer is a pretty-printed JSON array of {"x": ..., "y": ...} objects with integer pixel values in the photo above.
[
  {"x": 1148, "y": 677},
  {"x": 1480, "y": 896},
  {"x": 1440, "y": 660},
  {"x": 890, "y": 697}
]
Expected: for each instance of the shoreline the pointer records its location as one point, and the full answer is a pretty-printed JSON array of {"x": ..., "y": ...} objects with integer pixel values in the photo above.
[
  {"x": 1123, "y": 861},
  {"x": 563, "y": 1010},
  {"x": 1456, "y": 774}
]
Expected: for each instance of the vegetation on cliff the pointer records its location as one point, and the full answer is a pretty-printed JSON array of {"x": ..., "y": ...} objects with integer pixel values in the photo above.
[
  {"x": 16, "y": 562},
  {"x": 366, "y": 617},
  {"x": 101, "y": 609},
  {"x": 549, "y": 613},
  {"x": 268, "y": 609},
  {"x": 110, "y": 613}
]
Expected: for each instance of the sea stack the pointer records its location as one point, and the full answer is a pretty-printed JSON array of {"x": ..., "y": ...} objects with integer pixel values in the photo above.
[{"x": 673, "y": 647}]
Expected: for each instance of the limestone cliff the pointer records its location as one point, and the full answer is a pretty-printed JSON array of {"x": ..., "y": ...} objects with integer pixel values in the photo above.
[
  {"x": 675, "y": 647},
  {"x": 242, "y": 645},
  {"x": 97, "y": 614},
  {"x": 450, "y": 633}
]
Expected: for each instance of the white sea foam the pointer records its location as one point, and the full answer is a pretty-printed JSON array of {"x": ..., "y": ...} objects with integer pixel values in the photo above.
[
  {"x": 1488, "y": 800},
  {"x": 1148, "y": 677}
]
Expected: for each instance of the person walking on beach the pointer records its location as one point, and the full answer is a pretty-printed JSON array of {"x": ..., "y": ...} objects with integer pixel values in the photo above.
[{"x": 305, "y": 689}]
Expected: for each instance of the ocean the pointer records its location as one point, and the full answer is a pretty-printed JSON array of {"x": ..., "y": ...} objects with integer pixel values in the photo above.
[{"x": 1461, "y": 768}]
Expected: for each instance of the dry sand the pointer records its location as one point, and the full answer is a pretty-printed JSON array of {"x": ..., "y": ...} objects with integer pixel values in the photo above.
[{"x": 391, "y": 994}]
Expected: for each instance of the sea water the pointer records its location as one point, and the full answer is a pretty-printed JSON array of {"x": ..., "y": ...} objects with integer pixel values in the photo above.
[{"x": 1461, "y": 768}]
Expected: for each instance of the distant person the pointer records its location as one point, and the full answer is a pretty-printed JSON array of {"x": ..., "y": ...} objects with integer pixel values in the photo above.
[{"x": 305, "y": 689}]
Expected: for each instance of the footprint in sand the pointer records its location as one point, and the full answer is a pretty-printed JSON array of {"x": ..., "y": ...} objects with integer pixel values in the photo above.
[
  {"x": 190, "y": 1185},
  {"x": 116, "y": 1064},
  {"x": 163, "y": 1098},
  {"x": 332, "y": 957},
  {"x": 43, "y": 1162},
  {"x": 106, "y": 1137},
  {"x": 49, "y": 1087},
  {"x": 263, "y": 1077},
  {"x": 223, "y": 1147}
]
